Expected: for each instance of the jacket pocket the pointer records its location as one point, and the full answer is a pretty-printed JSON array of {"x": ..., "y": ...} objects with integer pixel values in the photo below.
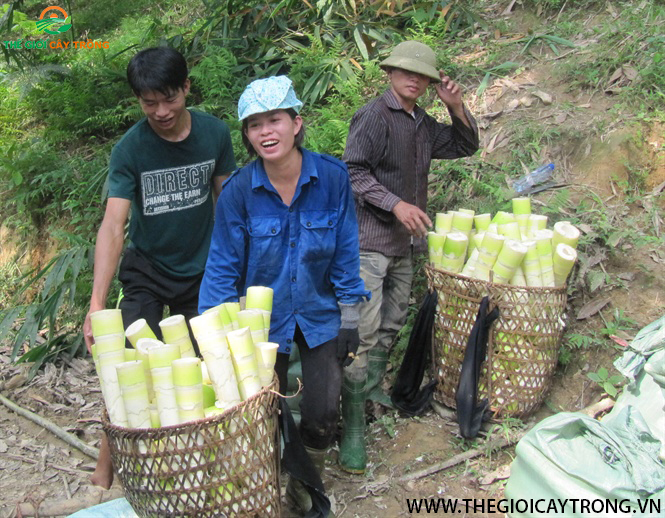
[
  {"x": 318, "y": 234},
  {"x": 265, "y": 237}
]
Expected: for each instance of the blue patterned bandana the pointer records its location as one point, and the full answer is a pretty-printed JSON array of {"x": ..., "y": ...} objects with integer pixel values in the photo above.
[{"x": 264, "y": 95}]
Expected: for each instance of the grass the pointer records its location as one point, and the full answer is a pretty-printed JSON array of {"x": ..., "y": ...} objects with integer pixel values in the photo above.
[
  {"x": 9, "y": 275},
  {"x": 587, "y": 338},
  {"x": 634, "y": 38}
]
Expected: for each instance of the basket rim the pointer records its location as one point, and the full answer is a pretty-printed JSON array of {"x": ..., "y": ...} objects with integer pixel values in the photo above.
[
  {"x": 106, "y": 423},
  {"x": 466, "y": 278}
]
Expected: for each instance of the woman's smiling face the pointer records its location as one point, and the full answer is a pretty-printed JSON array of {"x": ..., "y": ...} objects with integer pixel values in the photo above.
[{"x": 272, "y": 134}]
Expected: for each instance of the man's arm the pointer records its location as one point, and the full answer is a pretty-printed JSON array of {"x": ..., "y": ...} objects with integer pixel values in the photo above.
[
  {"x": 365, "y": 146},
  {"x": 461, "y": 139},
  {"x": 450, "y": 94},
  {"x": 217, "y": 182},
  {"x": 225, "y": 163},
  {"x": 110, "y": 240}
]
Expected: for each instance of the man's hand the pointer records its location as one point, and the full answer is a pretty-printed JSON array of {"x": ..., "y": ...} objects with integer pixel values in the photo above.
[
  {"x": 414, "y": 219},
  {"x": 87, "y": 328},
  {"x": 449, "y": 92}
]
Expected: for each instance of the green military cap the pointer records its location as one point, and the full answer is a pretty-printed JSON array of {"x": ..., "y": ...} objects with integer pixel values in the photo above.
[{"x": 414, "y": 57}]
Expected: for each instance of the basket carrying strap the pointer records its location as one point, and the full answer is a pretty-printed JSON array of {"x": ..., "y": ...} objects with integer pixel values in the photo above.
[
  {"x": 470, "y": 411},
  {"x": 407, "y": 396},
  {"x": 297, "y": 463}
]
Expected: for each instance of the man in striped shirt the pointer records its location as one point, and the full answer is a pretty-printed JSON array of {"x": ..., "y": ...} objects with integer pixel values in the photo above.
[{"x": 388, "y": 152}]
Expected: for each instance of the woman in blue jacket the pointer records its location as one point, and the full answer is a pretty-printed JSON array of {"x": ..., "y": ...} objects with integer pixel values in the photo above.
[{"x": 287, "y": 221}]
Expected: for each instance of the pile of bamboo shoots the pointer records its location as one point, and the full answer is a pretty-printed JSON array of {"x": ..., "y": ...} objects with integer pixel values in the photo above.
[
  {"x": 162, "y": 383},
  {"x": 510, "y": 248}
]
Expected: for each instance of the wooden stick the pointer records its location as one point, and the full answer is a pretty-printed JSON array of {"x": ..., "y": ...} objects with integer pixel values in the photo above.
[
  {"x": 598, "y": 407},
  {"x": 67, "y": 507},
  {"x": 591, "y": 410},
  {"x": 70, "y": 439},
  {"x": 458, "y": 459}
]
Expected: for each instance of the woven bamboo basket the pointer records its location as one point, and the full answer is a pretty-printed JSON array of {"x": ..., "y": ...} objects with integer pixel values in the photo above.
[
  {"x": 222, "y": 466},
  {"x": 523, "y": 345}
]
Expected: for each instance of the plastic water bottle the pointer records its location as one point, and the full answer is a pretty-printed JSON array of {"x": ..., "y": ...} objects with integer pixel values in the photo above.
[{"x": 540, "y": 175}]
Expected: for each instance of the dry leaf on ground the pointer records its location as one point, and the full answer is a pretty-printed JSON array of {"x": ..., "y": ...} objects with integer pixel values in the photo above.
[{"x": 592, "y": 307}]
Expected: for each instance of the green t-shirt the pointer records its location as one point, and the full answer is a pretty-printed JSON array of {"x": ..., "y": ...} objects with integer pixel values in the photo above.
[{"x": 170, "y": 187}]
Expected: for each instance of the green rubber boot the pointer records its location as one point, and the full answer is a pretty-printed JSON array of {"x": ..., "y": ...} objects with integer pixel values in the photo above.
[
  {"x": 352, "y": 454},
  {"x": 296, "y": 492},
  {"x": 377, "y": 363}
]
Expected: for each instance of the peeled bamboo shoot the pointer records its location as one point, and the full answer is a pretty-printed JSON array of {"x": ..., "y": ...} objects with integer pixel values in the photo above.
[
  {"x": 564, "y": 260},
  {"x": 137, "y": 330},
  {"x": 131, "y": 379},
  {"x": 509, "y": 259},
  {"x": 565, "y": 232},
  {"x": 259, "y": 297},
  {"x": 106, "y": 322},
  {"x": 454, "y": 251},
  {"x": 443, "y": 222}
]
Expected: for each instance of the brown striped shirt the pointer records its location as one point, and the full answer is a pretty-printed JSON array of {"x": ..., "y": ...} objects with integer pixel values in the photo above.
[{"x": 388, "y": 153}]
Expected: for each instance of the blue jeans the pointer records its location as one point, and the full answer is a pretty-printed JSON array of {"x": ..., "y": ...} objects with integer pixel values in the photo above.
[{"x": 389, "y": 279}]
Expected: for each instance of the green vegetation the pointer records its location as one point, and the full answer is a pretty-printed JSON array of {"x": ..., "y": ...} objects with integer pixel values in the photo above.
[
  {"x": 61, "y": 111},
  {"x": 597, "y": 339},
  {"x": 606, "y": 381}
]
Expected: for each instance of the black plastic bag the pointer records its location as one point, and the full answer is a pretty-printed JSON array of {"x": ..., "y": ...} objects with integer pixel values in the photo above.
[
  {"x": 299, "y": 465},
  {"x": 407, "y": 396},
  {"x": 470, "y": 411}
]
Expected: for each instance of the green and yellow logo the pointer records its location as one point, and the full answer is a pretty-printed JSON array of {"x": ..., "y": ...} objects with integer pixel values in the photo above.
[{"x": 47, "y": 22}]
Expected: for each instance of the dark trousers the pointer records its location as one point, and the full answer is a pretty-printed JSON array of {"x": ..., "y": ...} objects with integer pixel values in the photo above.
[
  {"x": 146, "y": 291},
  {"x": 322, "y": 383}
]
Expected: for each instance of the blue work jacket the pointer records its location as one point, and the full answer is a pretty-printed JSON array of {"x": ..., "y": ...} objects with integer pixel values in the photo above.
[{"x": 306, "y": 252}]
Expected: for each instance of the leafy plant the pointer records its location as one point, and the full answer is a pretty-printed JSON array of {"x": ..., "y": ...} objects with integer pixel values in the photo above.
[
  {"x": 620, "y": 322},
  {"x": 462, "y": 444},
  {"x": 497, "y": 71},
  {"x": 65, "y": 100},
  {"x": 58, "y": 280},
  {"x": 319, "y": 67},
  {"x": 609, "y": 383},
  {"x": 573, "y": 342},
  {"x": 548, "y": 39},
  {"x": 43, "y": 187},
  {"x": 11, "y": 22},
  {"x": 507, "y": 427},
  {"x": 388, "y": 422},
  {"x": 215, "y": 77},
  {"x": 15, "y": 22},
  {"x": 320, "y": 45},
  {"x": 328, "y": 132}
]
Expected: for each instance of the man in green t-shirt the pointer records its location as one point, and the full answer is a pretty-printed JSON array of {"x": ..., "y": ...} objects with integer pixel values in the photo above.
[{"x": 168, "y": 170}]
